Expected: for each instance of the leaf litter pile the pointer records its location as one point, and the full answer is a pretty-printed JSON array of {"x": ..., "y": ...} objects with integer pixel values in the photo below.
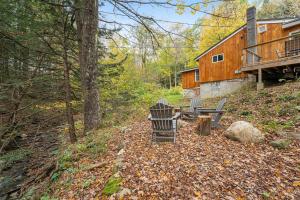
[{"x": 207, "y": 167}]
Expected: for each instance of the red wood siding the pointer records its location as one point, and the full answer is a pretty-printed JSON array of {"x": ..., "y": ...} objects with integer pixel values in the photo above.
[
  {"x": 224, "y": 70},
  {"x": 274, "y": 31},
  {"x": 188, "y": 80},
  {"x": 232, "y": 50}
]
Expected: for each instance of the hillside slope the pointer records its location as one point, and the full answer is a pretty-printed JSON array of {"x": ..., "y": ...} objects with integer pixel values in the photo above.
[
  {"x": 195, "y": 167},
  {"x": 274, "y": 110}
]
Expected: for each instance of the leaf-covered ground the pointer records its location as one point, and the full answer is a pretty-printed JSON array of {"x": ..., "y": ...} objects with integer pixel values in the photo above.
[
  {"x": 195, "y": 167},
  {"x": 85, "y": 168},
  {"x": 214, "y": 167},
  {"x": 207, "y": 167}
]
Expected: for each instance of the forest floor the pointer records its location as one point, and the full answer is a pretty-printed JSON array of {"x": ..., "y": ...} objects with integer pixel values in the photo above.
[
  {"x": 30, "y": 158},
  {"x": 195, "y": 167},
  {"x": 207, "y": 167}
]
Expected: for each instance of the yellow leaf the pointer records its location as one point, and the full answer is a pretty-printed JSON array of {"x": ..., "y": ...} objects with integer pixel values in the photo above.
[
  {"x": 277, "y": 173},
  {"x": 226, "y": 162},
  {"x": 197, "y": 194},
  {"x": 296, "y": 183},
  {"x": 197, "y": 7}
]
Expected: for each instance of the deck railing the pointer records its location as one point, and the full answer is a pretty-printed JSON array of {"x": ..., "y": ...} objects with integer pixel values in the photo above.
[{"x": 274, "y": 50}]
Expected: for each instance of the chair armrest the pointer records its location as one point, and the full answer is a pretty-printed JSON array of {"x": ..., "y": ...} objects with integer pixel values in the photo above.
[
  {"x": 176, "y": 116},
  {"x": 184, "y": 106},
  {"x": 200, "y": 109},
  {"x": 210, "y": 111},
  {"x": 197, "y": 108}
]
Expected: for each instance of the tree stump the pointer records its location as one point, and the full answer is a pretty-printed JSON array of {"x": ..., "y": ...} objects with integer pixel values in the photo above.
[{"x": 203, "y": 125}]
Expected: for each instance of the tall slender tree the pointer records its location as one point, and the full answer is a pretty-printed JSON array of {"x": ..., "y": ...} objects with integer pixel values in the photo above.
[{"x": 86, "y": 16}]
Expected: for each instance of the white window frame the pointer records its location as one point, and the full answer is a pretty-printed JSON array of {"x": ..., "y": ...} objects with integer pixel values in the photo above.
[
  {"x": 212, "y": 58},
  {"x": 196, "y": 75},
  {"x": 293, "y": 32},
  {"x": 262, "y": 26}
]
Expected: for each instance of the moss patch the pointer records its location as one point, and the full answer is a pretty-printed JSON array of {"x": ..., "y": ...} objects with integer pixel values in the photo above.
[
  {"x": 112, "y": 186},
  {"x": 280, "y": 144}
]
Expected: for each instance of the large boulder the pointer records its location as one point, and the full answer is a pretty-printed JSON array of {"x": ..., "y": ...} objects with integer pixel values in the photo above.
[{"x": 244, "y": 132}]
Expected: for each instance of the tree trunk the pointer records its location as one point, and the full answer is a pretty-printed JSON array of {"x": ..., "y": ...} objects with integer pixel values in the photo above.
[
  {"x": 175, "y": 74},
  {"x": 203, "y": 125},
  {"x": 170, "y": 80},
  {"x": 68, "y": 97},
  {"x": 86, "y": 16}
]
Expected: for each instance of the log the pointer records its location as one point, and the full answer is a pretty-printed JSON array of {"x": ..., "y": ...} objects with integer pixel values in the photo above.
[{"x": 203, "y": 125}]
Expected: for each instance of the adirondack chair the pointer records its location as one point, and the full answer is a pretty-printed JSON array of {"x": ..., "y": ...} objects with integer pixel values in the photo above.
[
  {"x": 164, "y": 123},
  {"x": 216, "y": 113},
  {"x": 189, "y": 112}
]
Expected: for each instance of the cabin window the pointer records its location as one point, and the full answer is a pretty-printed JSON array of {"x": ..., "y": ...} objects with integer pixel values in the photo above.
[
  {"x": 262, "y": 28},
  {"x": 218, "y": 58},
  {"x": 296, "y": 34},
  {"x": 196, "y": 75}
]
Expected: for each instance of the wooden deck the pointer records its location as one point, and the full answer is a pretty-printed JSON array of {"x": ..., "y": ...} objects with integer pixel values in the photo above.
[
  {"x": 276, "y": 53},
  {"x": 286, "y": 61}
]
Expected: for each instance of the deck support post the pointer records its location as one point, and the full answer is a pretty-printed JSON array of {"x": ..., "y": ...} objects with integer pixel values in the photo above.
[{"x": 260, "y": 84}]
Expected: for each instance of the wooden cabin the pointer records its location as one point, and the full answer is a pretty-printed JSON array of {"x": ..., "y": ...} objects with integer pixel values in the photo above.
[
  {"x": 257, "y": 50},
  {"x": 190, "y": 78}
]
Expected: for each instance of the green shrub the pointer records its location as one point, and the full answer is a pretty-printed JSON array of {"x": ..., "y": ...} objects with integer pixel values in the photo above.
[
  {"x": 288, "y": 125},
  {"x": 283, "y": 112},
  {"x": 231, "y": 108},
  {"x": 266, "y": 195},
  {"x": 81, "y": 147},
  {"x": 86, "y": 183},
  {"x": 47, "y": 197},
  {"x": 66, "y": 159},
  {"x": 268, "y": 101},
  {"x": 97, "y": 143},
  {"x": 264, "y": 111},
  {"x": 263, "y": 93},
  {"x": 246, "y": 113},
  {"x": 11, "y": 157},
  {"x": 244, "y": 100},
  {"x": 55, "y": 176},
  {"x": 280, "y": 144},
  {"x": 286, "y": 98},
  {"x": 79, "y": 125},
  {"x": 175, "y": 91},
  {"x": 271, "y": 126}
]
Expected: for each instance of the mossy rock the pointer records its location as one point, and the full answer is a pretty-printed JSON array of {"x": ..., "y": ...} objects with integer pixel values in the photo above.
[{"x": 280, "y": 143}]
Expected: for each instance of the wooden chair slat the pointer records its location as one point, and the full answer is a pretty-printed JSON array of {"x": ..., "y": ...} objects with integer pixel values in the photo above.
[
  {"x": 190, "y": 112},
  {"x": 216, "y": 113},
  {"x": 163, "y": 121}
]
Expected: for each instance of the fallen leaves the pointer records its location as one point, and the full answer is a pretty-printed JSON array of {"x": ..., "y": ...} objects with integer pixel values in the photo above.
[
  {"x": 296, "y": 183},
  {"x": 210, "y": 167}
]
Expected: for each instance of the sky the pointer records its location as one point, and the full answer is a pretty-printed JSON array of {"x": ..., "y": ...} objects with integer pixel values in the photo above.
[
  {"x": 160, "y": 13},
  {"x": 157, "y": 12}
]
